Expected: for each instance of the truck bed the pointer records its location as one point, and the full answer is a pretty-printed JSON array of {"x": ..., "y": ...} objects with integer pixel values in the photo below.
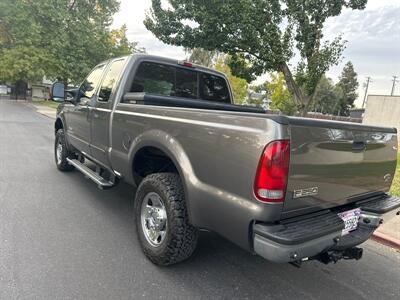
[{"x": 337, "y": 163}]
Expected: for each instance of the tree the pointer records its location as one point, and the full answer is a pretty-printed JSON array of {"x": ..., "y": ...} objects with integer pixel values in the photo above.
[
  {"x": 349, "y": 85},
  {"x": 60, "y": 39},
  {"x": 262, "y": 33},
  {"x": 19, "y": 58},
  {"x": 280, "y": 95},
  {"x": 4, "y": 36},
  {"x": 79, "y": 37},
  {"x": 120, "y": 44},
  {"x": 328, "y": 97},
  {"x": 202, "y": 57},
  {"x": 258, "y": 93},
  {"x": 239, "y": 85}
]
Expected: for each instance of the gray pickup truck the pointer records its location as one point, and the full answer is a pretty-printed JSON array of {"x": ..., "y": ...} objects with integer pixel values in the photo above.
[{"x": 288, "y": 189}]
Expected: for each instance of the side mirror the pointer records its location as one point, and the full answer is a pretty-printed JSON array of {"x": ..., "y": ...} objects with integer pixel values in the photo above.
[{"x": 58, "y": 92}]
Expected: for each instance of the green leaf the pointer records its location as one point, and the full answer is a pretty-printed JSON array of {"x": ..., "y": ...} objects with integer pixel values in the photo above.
[{"x": 60, "y": 39}]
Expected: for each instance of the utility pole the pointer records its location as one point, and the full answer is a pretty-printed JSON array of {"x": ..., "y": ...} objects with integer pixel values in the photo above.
[
  {"x": 394, "y": 84},
  {"x": 366, "y": 90}
]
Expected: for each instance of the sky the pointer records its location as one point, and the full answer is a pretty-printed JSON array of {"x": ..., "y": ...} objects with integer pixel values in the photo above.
[{"x": 373, "y": 37}]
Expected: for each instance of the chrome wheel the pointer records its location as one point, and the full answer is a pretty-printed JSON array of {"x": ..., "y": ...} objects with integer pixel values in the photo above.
[
  {"x": 59, "y": 152},
  {"x": 154, "y": 219}
]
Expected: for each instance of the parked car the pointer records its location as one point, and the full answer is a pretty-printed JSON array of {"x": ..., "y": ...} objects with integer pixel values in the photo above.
[{"x": 288, "y": 189}]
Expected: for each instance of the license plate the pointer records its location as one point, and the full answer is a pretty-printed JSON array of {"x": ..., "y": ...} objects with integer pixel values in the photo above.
[{"x": 350, "y": 219}]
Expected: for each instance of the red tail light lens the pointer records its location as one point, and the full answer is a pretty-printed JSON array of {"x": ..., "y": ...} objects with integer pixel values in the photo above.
[{"x": 272, "y": 173}]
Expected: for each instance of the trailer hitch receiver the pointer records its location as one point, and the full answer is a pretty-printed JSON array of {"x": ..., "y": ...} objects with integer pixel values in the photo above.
[{"x": 334, "y": 256}]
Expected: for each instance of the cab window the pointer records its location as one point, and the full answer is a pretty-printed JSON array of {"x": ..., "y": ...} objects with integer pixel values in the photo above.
[
  {"x": 155, "y": 79},
  {"x": 186, "y": 83},
  {"x": 214, "y": 88},
  {"x": 88, "y": 87},
  {"x": 110, "y": 79},
  {"x": 167, "y": 80}
]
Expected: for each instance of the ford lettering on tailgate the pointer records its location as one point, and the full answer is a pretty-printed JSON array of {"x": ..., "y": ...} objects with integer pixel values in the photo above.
[{"x": 305, "y": 192}]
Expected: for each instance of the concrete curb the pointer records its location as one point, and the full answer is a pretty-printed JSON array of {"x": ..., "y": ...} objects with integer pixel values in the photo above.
[{"x": 386, "y": 240}]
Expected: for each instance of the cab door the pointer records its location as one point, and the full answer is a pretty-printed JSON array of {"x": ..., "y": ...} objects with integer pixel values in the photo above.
[
  {"x": 78, "y": 116},
  {"x": 101, "y": 112}
]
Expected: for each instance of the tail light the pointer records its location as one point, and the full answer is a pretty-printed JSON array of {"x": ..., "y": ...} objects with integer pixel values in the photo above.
[{"x": 272, "y": 172}]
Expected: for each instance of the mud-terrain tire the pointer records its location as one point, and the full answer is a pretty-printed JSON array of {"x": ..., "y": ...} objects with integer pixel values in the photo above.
[{"x": 177, "y": 240}]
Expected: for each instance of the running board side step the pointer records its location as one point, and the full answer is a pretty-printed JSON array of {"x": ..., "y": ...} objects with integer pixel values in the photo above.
[{"x": 89, "y": 173}]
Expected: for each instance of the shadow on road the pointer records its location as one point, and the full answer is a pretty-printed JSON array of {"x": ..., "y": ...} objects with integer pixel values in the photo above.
[{"x": 222, "y": 269}]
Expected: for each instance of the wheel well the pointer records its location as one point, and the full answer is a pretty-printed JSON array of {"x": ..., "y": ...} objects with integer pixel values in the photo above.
[
  {"x": 58, "y": 125},
  {"x": 149, "y": 160}
]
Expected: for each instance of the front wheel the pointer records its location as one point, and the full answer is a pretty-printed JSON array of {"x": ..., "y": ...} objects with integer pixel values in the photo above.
[
  {"x": 61, "y": 152},
  {"x": 162, "y": 221}
]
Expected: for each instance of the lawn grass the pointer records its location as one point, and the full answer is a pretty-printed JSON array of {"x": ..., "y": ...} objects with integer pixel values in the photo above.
[
  {"x": 395, "y": 190},
  {"x": 47, "y": 103}
]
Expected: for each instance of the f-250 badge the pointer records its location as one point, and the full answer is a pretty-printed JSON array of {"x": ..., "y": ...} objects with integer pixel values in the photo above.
[{"x": 305, "y": 192}]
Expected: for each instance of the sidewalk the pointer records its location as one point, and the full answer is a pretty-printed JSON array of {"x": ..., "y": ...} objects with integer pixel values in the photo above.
[
  {"x": 391, "y": 228},
  {"x": 44, "y": 110},
  {"x": 389, "y": 233}
]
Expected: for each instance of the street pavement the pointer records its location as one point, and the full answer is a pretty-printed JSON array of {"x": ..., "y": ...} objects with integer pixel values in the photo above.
[{"x": 62, "y": 238}]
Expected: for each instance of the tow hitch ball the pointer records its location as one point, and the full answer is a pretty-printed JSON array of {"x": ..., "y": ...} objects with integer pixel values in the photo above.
[{"x": 334, "y": 256}]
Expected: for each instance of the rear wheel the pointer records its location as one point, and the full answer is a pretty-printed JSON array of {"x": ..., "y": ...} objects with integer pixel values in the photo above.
[
  {"x": 162, "y": 222},
  {"x": 61, "y": 152}
]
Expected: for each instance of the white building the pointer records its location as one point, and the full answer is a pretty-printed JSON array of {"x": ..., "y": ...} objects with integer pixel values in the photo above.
[{"x": 382, "y": 110}]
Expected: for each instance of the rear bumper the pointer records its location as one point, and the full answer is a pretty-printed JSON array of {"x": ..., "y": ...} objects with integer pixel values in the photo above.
[{"x": 305, "y": 238}]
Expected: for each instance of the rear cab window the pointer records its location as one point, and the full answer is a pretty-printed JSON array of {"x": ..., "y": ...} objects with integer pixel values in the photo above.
[
  {"x": 154, "y": 79},
  {"x": 214, "y": 88},
  {"x": 175, "y": 81}
]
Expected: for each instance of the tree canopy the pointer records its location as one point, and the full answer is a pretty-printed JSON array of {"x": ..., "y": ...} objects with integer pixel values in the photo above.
[
  {"x": 60, "y": 39},
  {"x": 261, "y": 36},
  {"x": 202, "y": 57},
  {"x": 280, "y": 95},
  {"x": 349, "y": 84},
  {"x": 328, "y": 97},
  {"x": 337, "y": 98}
]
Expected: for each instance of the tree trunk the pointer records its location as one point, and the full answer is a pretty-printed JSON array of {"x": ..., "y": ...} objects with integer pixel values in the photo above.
[{"x": 294, "y": 89}]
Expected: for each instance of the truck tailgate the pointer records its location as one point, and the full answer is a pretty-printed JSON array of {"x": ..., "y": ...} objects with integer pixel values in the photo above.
[{"x": 335, "y": 163}]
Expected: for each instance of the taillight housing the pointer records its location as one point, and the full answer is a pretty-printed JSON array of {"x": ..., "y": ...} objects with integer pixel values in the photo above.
[
  {"x": 186, "y": 64},
  {"x": 272, "y": 172}
]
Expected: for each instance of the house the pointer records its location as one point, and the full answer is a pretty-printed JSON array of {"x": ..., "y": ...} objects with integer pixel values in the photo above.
[
  {"x": 40, "y": 90},
  {"x": 26, "y": 91}
]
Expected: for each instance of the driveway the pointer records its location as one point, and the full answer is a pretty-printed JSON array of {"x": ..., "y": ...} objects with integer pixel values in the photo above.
[{"x": 62, "y": 238}]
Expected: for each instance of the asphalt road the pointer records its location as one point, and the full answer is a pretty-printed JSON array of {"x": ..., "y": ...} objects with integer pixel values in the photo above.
[{"x": 62, "y": 238}]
